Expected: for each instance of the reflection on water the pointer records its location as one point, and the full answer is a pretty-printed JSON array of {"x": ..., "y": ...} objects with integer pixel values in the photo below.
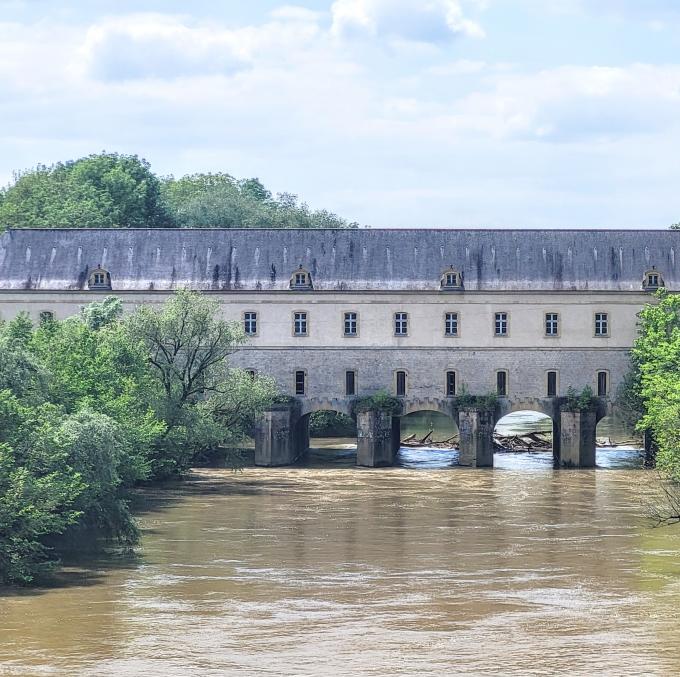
[{"x": 329, "y": 569}]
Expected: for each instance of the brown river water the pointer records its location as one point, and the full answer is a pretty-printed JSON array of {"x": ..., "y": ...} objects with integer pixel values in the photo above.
[{"x": 327, "y": 569}]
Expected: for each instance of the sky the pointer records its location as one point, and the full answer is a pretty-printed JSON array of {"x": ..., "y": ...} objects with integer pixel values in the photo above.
[{"x": 392, "y": 113}]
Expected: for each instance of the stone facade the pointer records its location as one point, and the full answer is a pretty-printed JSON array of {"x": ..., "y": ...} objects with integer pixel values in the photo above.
[{"x": 575, "y": 276}]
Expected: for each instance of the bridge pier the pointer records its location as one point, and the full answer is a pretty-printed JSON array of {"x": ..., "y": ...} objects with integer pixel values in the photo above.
[
  {"x": 278, "y": 440},
  {"x": 577, "y": 439},
  {"x": 376, "y": 438},
  {"x": 475, "y": 428}
]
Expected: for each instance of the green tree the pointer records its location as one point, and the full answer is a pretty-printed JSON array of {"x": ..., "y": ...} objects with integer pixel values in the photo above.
[
  {"x": 221, "y": 201},
  {"x": 202, "y": 402},
  {"x": 106, "y": 190},
  {"x": 656, "y": 377}
]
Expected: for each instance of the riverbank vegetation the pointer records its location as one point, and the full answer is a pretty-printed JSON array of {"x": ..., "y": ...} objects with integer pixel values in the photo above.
[
  {"x": 98, "y": 403},
  {"x": 109, "y": 190},
  {"x": 653, "y": 386}
]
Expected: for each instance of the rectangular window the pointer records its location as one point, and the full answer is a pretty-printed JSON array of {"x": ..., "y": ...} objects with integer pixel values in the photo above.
[
  {"x": 502, "y": 383},
  {"x": 300, "y": 324},
  {"x": 400, "y": 324},
  {"x": 351, "y": 324},
  {"x": 451, "y": 324},
  {"x": 300, "y": 382},
  {"x": 450, "y": 383},
  {"x": 552, "y": 326},
  {"x": 401, "y": 383},
  {"x": 451, "y": 280},
  {"x": 601, "y": 324},
  {"x": 552, "y": 384},
  {"x": 250, "y": 323},
  {"x": 300, "y": 279},
  {"x": 350, "y": 383},
  {"x": 501, "y": 324},
  {"x": 602, "y": 384}
]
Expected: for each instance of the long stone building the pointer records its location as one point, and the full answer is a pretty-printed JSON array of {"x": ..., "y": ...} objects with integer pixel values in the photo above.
[{"x": 424, "y": 314}]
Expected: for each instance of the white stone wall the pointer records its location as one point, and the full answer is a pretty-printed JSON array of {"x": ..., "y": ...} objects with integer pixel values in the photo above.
[{"x": 426, "y": 353}]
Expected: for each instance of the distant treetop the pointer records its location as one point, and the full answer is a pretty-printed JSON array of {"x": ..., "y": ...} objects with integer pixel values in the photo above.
[{"x": 110, "y": 190}]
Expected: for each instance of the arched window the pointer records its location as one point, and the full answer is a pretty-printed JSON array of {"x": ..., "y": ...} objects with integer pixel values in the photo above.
[
  {"x": 99, "y": 279},
  {"x": 301, "y": 279},
  {"x": 452, "y": 279},
  {"x": 46, "y": 316},
  {"x": 653, "y": 280}
]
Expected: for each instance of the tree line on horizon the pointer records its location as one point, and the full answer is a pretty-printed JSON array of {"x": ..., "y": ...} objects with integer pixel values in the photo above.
[{"x": 112, "y": 190}]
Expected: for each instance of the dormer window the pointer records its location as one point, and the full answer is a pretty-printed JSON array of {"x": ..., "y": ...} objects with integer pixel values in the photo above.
[
  {"x": 452, "y": 279},
  {"x": 301, "y": 279},
  {"x": 99, "y": 279},
  {"x": 653, "y": 280}
]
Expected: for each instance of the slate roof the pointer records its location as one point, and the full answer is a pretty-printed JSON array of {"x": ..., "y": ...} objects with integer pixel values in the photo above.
[{"x": 364, "y": 259}]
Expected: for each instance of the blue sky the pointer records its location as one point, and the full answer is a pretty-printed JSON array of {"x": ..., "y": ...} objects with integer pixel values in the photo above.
[{"x": 441, "y": 113}]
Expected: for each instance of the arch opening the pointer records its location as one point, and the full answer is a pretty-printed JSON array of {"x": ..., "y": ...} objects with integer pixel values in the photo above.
[
  {"x": 328, "y": 436},
  {"x": 429, "y": 440},
  {"x": 527, "y": 431}
]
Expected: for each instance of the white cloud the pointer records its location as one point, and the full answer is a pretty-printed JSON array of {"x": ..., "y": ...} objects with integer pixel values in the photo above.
[
  {"x": 415, "y": 20},
  {"x": 158, "y": 46}
]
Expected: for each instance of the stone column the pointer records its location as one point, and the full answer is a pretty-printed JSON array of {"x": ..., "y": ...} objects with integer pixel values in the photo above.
[
  {"x": 557, "y": 438},
  {"x": 577, "y": 439},
  {"x": 374, "y": 439},
  {"x": 396, "y": 436},
  {"x": 475, "y": 428},
  {"x": 276, "y": 442}
]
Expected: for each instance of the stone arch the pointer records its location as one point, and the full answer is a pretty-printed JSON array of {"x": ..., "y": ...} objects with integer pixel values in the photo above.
[
  {"x": 311, "y": 404},
  {"x": 544, "y": 407},
  {"x": 548, "y": 406},
  {"x": 411, "y": 405}
]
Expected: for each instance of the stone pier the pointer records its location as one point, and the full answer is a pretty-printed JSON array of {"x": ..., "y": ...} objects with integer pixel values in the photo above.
[
  {"x": 476, "y": 437},
  {"x": 278, "y": 440},
  {"x": 577, "y": 439},
  {"x": 376, "y": 439}
]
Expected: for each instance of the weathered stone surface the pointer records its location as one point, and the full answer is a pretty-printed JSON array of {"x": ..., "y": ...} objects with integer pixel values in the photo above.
[
  {"x": 375, "y": 446},
  {"x": 408, "y": 259},
  {"x": 476, "y": 438},
  {"x": 276, "y": 440},
  {"x": 577, "y": 439}
]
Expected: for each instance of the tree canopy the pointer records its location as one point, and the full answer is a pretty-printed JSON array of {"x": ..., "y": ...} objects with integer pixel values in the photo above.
[
  {"x": 94, "y": 404},
  {"x": 111, "y": 190},
  {"x": 655, "y": 380}
]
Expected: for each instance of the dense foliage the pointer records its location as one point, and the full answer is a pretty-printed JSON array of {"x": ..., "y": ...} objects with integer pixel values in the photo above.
[
  {"x": 655, "y": 380},
  {"x": 97, "y": 403},
  {"x": 109, "y": 190}
]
